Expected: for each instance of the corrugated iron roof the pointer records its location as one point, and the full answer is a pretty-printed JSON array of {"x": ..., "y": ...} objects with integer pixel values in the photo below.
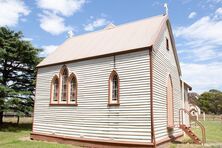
[{"x": 134, "y": 35}]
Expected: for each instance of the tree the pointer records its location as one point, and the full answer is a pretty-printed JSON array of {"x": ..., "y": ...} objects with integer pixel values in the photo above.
[
  {"x": 18, "y": 59},
  {"x": 211, "y": 102},
  {"x": 20, "y": 107},
  {"x": 193, "y": 98}
]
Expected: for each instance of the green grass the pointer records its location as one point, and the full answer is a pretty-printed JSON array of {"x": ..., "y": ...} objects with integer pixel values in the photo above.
[
  {"x": 213, "y": 131},
  {"x": 17, "y": 136},
  {"x": 213, "y": 136}
]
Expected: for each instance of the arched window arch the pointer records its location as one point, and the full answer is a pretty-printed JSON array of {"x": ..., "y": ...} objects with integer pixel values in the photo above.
[
  {"x": 114, "y": 88},
  {"x": 72, "y": 89},
  {"x": 64, "y": 73},
  {"x": 170, "y": 116},
  {"x": 54, "y": 93}
]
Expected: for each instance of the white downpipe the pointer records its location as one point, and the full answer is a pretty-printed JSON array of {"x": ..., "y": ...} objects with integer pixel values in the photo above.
[
  {"x": 183, "y": 100},
  {"x": 204, "y": 116}
]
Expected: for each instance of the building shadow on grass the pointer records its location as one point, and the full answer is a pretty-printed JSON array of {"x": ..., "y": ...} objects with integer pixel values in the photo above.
[
  {"x": 182, "y": 141},
  {"x": 13, "y": 127}
]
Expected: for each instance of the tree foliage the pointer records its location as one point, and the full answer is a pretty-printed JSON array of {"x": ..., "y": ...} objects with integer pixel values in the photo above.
[
  {"x": 211, "y": 102},
  {"x": 18, "y": 59},
  {"x": 193, "y": 98}
]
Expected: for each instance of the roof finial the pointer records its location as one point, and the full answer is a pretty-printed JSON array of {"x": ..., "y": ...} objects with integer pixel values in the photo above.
[
  {"x": 166, "y": 8},
  {"x": 110, "y": 26},
  {"x": 70, "y": 34}
]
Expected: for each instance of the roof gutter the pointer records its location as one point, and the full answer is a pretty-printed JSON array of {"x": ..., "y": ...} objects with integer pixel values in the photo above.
[{"x": 95, "y": 57}]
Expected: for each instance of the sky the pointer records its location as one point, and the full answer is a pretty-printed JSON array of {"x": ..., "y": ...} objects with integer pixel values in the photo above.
[{"x": 197, "y": 28}]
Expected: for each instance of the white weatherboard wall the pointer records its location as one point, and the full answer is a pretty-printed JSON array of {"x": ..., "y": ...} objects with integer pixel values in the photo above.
[
  {"x": 164, "y": 63},
  {"x": 92, "y": 118}
]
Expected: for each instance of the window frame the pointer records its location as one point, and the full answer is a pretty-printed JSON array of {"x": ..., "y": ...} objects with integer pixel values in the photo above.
[
  {"x": 71, "y": 77},
  {"x": 52, "y": 88},
  {"x": 64, "y": 67},
  {"x": 111, "y": 102},
  {"x": 170, "y": 102},
  {"x": 167, "y": 44},
  {"x": 59, "y": 78}
]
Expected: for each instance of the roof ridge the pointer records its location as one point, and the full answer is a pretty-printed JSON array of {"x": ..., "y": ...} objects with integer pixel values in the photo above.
[{"x": 117, "y": 26}]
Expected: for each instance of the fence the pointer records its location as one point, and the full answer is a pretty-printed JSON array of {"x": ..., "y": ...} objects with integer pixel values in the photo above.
[
  {"x": 211, "y": 117},
  {"x": 7, "y": 119},
  {"x": 11, "y": 117}
]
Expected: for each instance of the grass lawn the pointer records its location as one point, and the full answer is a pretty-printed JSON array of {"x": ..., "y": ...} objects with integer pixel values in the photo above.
[
  {"x": 213, "y": 136},
  {"x": 213, "y": 131},
  {"x": 17, "y": 136}
]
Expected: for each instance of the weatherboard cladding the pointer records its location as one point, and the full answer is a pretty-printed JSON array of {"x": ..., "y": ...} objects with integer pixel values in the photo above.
[
  {"x": 92, "y": 118},
  {"x": 165, "y": 64},
  {"x": 134, "y": 35}
]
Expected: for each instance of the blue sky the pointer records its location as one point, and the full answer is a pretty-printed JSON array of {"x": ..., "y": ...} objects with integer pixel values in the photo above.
[{"x": 197, "y": 27}]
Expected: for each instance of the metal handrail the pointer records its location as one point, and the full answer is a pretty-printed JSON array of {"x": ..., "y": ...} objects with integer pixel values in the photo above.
[{"x": 201, "y": 125}]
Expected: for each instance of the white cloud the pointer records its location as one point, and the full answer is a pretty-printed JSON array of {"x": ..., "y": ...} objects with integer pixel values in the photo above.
[
  {"x": 96, "y": 24},
  {"x": 51, "y": 19},
  {"x": 201, "y": 53},
  {"x": 206, "y": 4},
  {"x": 206, "y": 29},
  {"x": 214, "y": 1},
  {"x": 47, "y": 50},
  {"x": 192, "y": 15},
  {"x": 27, "y": 39},
  {"x": 219, "y": 11},
  {"x": 63, "y": 7},
  {"x": 157, "y": 3},
  {"x": 53, "y": 23},
  {"x": 202, "y": 39},
  {"x": 11, "y": 11},
  {"x": 203, "y": 77}
]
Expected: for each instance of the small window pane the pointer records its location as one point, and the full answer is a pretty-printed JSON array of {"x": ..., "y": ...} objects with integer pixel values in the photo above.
[
  {"x": 167, "y": 44},
  {"x": 115, "y": 88},
  {"x": 55, "y": 90},
  {"x": 73, "y": 89},
  {"x": 64, "y": 84}
]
